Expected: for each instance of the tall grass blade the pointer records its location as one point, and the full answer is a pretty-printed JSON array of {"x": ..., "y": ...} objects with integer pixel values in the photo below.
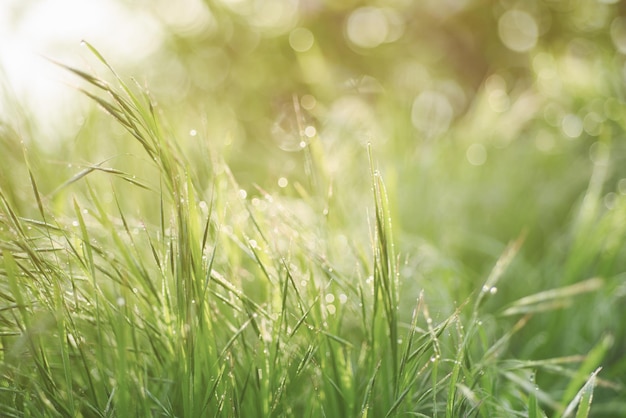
[{"x": 583, "y": 398}]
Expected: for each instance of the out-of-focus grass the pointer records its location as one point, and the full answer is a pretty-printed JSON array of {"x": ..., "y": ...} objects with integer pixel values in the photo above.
[{"x": 223, "y": 244}]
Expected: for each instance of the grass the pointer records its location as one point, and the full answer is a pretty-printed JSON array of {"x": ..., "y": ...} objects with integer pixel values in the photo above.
[{"x": 154, "y": 284}]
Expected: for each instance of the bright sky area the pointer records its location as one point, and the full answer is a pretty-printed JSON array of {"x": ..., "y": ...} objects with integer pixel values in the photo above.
[{"x": 33, "y": 30}]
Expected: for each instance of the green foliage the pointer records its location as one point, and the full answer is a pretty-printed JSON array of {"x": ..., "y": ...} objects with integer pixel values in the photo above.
[{"x": 171, "y": 274}]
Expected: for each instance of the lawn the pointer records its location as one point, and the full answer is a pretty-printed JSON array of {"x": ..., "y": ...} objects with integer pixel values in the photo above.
[{"x": 319, "y": 209}]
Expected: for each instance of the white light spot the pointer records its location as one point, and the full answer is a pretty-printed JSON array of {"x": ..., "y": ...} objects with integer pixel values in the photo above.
[
  {"x": 193, "y": 132},
  {"x": 598, "y": 152},
  {"x": 572, "y": 125},
  {"x": 592, "y": 123},
  {"x": 476, "y": 154},
  {"x": 283, "y": 182},
  {"x": 367, "y": 27},
  {"x": 120, "y": 301},
  {"x": 329, "y": 298},
  {"x": 331, "y": 309},
  {"x": 609, "y": 200},
  {"x": 242, "y": 194},
  {"x": 518, "y": 30},
  {"x": 343, "y": 298},
  {"x": 310, "y": 131},
  {"x": 301, "y": 39}
]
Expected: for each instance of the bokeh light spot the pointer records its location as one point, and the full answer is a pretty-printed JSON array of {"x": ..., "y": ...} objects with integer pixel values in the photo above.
[
  {"x": 310, "y": 131},
  {"x": 518, "y": 30},
  {"x": 476, "y": 154},
  {"x": 367, "y": 27},
  {"x": 301, "y": 39},
  {"x": 572, "y": 126},
  {"x": 308, "y": 102}
]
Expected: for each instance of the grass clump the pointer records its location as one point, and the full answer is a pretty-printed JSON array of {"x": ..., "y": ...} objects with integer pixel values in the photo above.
[{"x": 165, "y": 288}]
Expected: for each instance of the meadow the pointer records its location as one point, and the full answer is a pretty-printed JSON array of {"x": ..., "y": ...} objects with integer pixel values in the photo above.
[{"x": 290, "y": 215}]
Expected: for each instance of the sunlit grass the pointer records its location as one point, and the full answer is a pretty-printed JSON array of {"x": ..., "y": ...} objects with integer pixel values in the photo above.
[{"x": 160, "y": 286}]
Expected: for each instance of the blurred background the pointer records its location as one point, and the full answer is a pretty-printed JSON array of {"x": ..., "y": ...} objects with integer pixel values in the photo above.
[
  {"x": 487, "y": 115},
  {"x": 487, "y": 118}
]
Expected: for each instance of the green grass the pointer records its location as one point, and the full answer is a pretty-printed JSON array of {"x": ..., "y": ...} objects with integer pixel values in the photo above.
[{"x": 153, "y": 283}]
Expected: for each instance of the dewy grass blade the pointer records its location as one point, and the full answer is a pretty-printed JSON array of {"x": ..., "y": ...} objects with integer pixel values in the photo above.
[
  {"x": 500, "y": 267},
  {"x": 592, "y": 362},
  {"x": 539, "y": 301},
  {"x": 583, "y": 398}
]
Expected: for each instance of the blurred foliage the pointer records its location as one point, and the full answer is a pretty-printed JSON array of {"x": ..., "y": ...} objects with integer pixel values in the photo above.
[
  {"x": 457, "y": 95},
  {"x": 489, "y": 119}
]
